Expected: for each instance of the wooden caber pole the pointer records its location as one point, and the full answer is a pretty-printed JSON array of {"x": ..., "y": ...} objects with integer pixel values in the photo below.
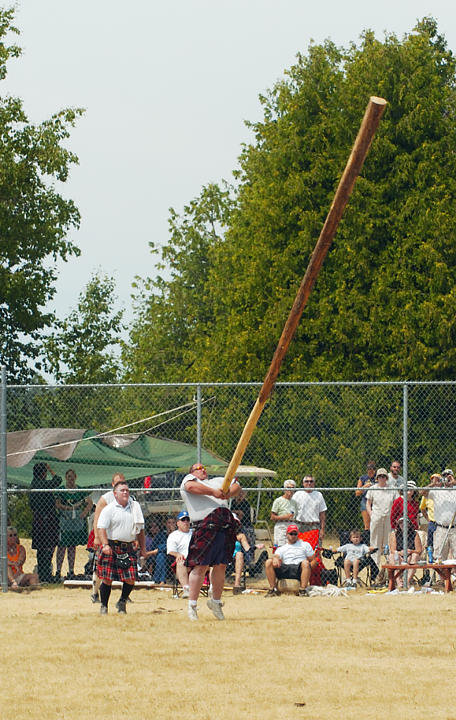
[{"x": 371, "y": 119}]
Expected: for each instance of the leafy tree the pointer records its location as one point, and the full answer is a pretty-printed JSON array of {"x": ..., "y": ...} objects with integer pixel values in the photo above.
[
  {"x": 81, "y": 350},
  {"x": 384, "y": 304},
  {"x": 34, "y": 218},
  {"x": 174, "y": 316}
]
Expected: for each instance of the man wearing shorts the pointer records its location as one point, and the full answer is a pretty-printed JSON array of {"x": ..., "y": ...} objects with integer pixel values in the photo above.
[
  {"x": 214, "y": 535},
  {"x": 290, "y": 561},
  {"x": 120, "y": 524}
]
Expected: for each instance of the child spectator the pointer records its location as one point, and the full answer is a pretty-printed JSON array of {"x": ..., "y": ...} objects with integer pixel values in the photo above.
[{"x": 354, "y": 552}]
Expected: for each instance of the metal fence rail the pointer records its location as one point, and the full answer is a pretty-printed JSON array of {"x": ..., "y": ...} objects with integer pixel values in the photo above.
[{"x": 328, "y": 430}]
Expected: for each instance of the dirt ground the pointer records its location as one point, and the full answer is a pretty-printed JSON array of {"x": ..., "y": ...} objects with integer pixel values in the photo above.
[{"x": 369, "y": 656}]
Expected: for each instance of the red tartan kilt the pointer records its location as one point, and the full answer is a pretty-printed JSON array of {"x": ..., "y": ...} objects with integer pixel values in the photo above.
[{"x": 108, "y": 570}]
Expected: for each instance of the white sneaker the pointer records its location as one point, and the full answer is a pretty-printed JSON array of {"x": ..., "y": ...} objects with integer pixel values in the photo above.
[
  {"x": 216, "y": 608},
  {"x": 185, "y": 591},
  {"x": 192, "y": 612}
]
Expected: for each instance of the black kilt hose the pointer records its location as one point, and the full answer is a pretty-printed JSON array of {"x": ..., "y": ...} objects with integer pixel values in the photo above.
[
  {"x": 107, "y": 569},
  {"x": 213, "y": 539}
]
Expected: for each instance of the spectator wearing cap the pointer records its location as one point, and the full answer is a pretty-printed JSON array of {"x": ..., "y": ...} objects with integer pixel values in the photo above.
[
  {"x": 290, "y": 561},
  {"x": 283, "y": 511},
  {"x": 311, "y": 512},
  {"x": 364, "y": 483},
  {"x": 379, "y": 500},
  {"x": 444, "y": 516},
  {"x": 395, "y": 480},
  {"x": 413, "y": 506},
  {"x": 177, "y": 546}
]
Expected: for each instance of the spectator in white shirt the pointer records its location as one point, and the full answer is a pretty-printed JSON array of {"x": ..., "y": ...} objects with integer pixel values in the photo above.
[
  {"x": 177, "y": 546},
  {"x": 311, "y": 508}
]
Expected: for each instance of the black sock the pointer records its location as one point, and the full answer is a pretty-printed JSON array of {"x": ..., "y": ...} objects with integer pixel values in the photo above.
[
  {"x": 105, "y": 592},
  {"x": 126, "y": 590}
]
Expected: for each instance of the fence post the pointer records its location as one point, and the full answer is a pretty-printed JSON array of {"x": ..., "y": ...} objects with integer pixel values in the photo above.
[
  {"x": 4, "y": 496},
  {"x": 198, "y": 423},
  {"x": 405, "y": 475}
]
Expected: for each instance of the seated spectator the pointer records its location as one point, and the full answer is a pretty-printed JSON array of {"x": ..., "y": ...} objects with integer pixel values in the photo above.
[
  {"x": 290, "y": 561},
  {"x": 156, "y": 548},
  {"x": 177, "y": 546},
  {"x": 283, "y": 512},
  {"x": 17, "y": 578},
  {"x": 413, "y": 506},
  {"x": 356, "y": 557},
  {"x": 414, "y": 548},
  {"x": 242, "y": 550},
  {"x": 243, "y": 511}
]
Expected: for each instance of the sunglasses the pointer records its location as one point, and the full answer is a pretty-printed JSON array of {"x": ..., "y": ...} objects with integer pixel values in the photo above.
[
  {"x": 184, "y": 519},
  {"x": 199, "y": 467},
  {"x": 293, "y": 533}
]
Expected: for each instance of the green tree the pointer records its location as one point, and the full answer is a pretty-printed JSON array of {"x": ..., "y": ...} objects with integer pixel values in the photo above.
[
  {"x": 384, "y": 304},
  {"x": 81, "y": 350},
  {"x": 34, "y": 218},
  {"x": 174, "y": 315}
]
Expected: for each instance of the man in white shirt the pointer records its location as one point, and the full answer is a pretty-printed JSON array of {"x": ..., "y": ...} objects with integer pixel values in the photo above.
[
  {"x": 311, "y": 508},
  {"x": 394, "y": 479},
  {"x": 444, "y": 516},
  {"x": 177, "y": 546},
  {"x": 120, "y": 525},
  {"x": 290, "y": 561},
  {"x": 379, "y": 501},
  {"x": 214, "y": 535}
]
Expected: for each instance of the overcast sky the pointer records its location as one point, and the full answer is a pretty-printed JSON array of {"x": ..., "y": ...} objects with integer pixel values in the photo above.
[{"x": 167, "y": 87}]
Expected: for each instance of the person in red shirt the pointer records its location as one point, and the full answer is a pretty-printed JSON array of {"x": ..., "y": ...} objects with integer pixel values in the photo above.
[{"x": 413, "y": 506}]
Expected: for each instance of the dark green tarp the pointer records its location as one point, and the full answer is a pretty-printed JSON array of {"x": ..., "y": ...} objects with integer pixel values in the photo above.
[{"x": 95, "y": 460}]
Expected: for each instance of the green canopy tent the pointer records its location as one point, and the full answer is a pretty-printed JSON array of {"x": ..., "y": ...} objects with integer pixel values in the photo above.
[{"x": 96, "y": 458}]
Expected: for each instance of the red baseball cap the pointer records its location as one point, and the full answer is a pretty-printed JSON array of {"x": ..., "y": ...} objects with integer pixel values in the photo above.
[{"x": 292, "y": 528}]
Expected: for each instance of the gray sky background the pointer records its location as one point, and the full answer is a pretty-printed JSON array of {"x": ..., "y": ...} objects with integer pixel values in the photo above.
[{"x": 167, "y": 87}]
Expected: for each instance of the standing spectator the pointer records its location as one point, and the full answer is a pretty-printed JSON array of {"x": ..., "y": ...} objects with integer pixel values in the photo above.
[
  {"x": 73, "y": 510},
  {"x": 214, "y": 535},
  {"x": 283, "y": 512},
  {"x": 311, "y": 508},
  {"x": 120, "y": 524},
  {"x": 394, "y": 479},
  {"x": 413, "y": 506},
  {"x": 45, "y": 523},
  {"x": 427, "y": 508},
  {"x": 364, "y": 483},
  {"x": 444, "y": 516},
  {"x": 16, "y": 558},
  {"x": 177, "y": 546},
  {"x": 379, "y": 500}
]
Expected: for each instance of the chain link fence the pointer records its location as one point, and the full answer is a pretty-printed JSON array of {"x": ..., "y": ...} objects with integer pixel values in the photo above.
[{"x": 327, "y": 430}]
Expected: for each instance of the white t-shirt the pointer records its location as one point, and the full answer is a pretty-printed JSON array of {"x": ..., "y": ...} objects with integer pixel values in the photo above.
[
  {"x": 294, "y": 553},
  {"x": 444, "y": 506},
  {"x": 309, "y": 505},
  {"x": 352, "y": 551},
  {"x": 178, "y": 542},
  {"x": 198, "y": 506},
  {"x": 121, "y": 523},
  {"x": 393, "y": 482},
  {"x": 381, "y": 500}
]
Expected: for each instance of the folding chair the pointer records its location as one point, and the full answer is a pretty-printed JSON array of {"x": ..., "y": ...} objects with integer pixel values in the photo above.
[{"x": 366, "y": 563}]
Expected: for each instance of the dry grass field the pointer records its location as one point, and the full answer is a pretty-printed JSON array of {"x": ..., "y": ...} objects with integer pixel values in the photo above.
[{"x": 365, "y": 656}]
